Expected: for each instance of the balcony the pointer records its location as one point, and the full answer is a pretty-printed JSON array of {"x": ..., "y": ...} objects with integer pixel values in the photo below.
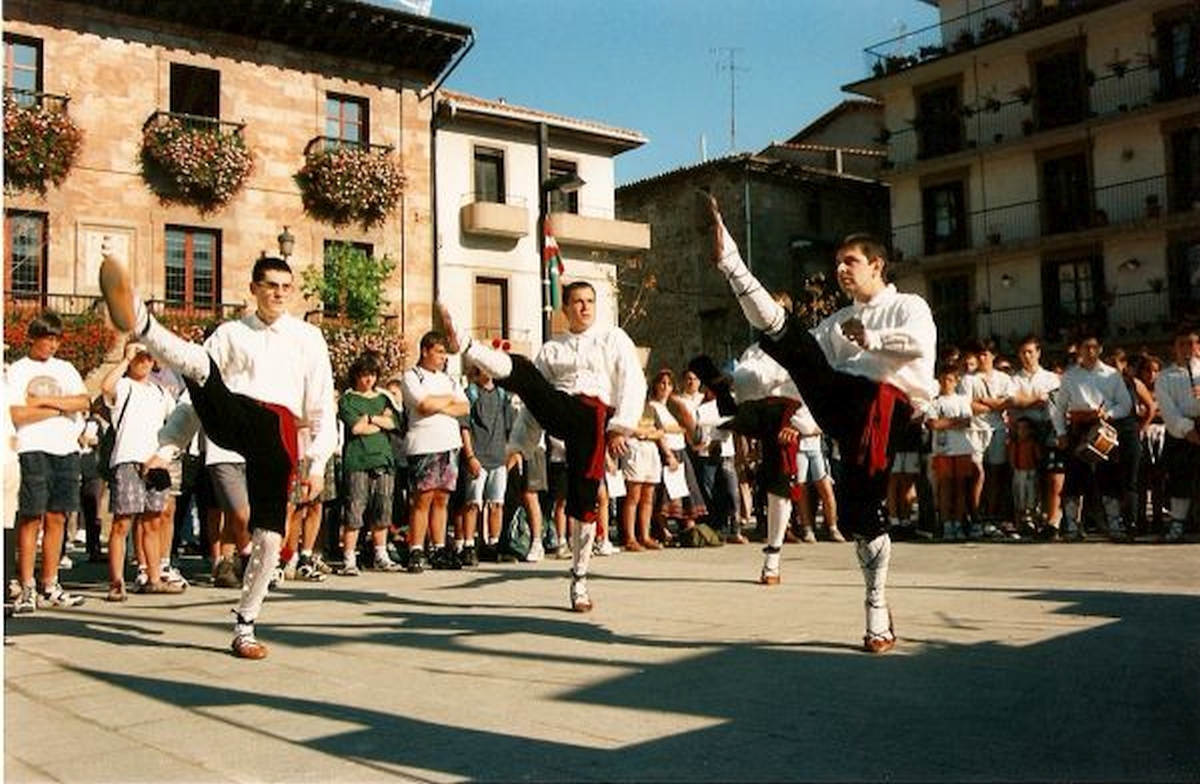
[
  {"x": 599, "y": 233},
  {"x": 993, "y": 22},
  {"x": 1122, "y": 318},
  {"x": 999, "y": 119},
  {"x": 1124, "y": 203},
  {"x": 494, "y": 219}
]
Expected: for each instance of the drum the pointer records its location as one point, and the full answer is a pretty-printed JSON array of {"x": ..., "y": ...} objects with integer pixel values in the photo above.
[{"x": 1100, "y": 440}]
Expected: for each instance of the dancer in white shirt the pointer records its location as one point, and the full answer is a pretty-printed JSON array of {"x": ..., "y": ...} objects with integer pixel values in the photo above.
[
  {"x": 586, "y": 388},
  {"x": 863, "y": 371},
  {"x": 1177, "y": 391},
  {"x": 250, "y": 385}
]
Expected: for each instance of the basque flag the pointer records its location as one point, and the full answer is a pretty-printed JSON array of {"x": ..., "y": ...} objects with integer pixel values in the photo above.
[{"x": 552, "y": 258}]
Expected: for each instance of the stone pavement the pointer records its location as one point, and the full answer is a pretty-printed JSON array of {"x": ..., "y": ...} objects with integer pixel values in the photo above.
[{"x": 1027, "y": 662}]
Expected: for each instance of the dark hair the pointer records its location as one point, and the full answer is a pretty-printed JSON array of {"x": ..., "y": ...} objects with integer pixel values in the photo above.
[
  {"x": 1031, "y": 338},
  {"x": 570, "y": 288},
  {"x": 48, "y": 324},
  {"x": 431, "y": 339},
  {"x": 871, "y": 246},
  {"x": 267, "y": 263},
  {"x": 367, "y": 364}
]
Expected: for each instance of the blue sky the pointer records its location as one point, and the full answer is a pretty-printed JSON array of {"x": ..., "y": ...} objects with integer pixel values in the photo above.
[{"x": 654, "y": 66}]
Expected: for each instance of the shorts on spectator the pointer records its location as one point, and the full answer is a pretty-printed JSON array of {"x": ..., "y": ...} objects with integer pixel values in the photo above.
[
  {"x": 954, "y": 466},
  {"x": 433, "y": 471},
  {"x": 228, "y": 483},
  {"x": 906, "y": 463},
  {"x": 129, "y": 495},
  {"x": 811, "y": 466},
  {"x": 642, "y": 463},
  {"x": 488, "y": 487},
  {"x": 370, "y": 498},
  {"x": 535, "y": 471},
  {"x": 49, "y": 483},
  {"x": 1056, "y": 461},
  {"x": 328, "y": 490},
  {"x": 556, "y": 479}
]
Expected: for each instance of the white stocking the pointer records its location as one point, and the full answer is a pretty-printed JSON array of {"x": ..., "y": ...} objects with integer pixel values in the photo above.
[
  {"x": 497, "y": 363},
  {"x": 874, "y": 558},
  {"x": 256, "y": 580},
  {"x": 190, "y": 359}
]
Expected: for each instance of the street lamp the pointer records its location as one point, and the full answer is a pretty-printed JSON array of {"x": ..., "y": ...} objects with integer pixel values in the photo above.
[
  {"x": 287, "y": 243},
  {"x": 567, "y": 182}
]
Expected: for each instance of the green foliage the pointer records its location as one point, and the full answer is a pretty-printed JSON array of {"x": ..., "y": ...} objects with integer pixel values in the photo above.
[{"x": 351, "y": 285}]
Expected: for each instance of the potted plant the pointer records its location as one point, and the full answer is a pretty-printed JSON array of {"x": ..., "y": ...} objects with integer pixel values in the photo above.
[
  {"x": 344, "y": 184},
  {"x": 195, "y": 162},
  {"x": 40, "y": 145}
]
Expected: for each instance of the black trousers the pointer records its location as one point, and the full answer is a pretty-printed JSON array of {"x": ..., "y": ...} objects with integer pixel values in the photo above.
[
  {"x": 259, "y": 434},
  {"x": 569, "y": 418},
  {"x": 841, "y": 404}
]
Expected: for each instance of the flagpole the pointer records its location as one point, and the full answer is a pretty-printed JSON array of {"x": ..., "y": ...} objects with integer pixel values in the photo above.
[{"x": 543, "y": 213}]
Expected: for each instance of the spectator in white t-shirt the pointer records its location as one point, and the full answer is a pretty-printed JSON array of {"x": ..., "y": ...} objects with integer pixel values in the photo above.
[{"x": 433, "y": 402}]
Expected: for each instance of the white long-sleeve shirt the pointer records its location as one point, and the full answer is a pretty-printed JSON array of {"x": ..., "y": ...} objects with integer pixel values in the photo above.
[
  {"x": 1084, "y": 389},
  {"x": 1177, "y": 401},
  {"x": 601, "y": 362},
  {"x": 285, "y": 363},
  {"x": 901, "y": 339}
]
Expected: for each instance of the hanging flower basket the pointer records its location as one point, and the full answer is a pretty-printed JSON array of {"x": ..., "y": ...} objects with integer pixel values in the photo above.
[
  {"x": 195, "y": 161},
  {"x": 40, "y": 143},
  {"x": 348, "y": 183}
]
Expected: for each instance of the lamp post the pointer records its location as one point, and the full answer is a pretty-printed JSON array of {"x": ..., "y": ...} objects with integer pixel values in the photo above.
[
  {"x": 287, "y": 243},
  {"x": 562, "y": 183}
]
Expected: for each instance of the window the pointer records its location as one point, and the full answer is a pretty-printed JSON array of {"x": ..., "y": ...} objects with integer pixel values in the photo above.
[
  {"x": 950, "y": 301},
  {"x": 1066, "y": 193},
  {"x": 346, "y": 118},
  {"x": 491, "y": 308},
  {"x": 562, "y": 201},
  {"x": 1184, "y": 179},
  {"x": 1183, "y": 268},
  {"x": 489, "y": 175},
  {"x": 195, "y": 91},
  {"x": 23, "y": 68},
  {"x": 1179, "y": 53},
  {"x": 24, "y": 253},
  {"x": 939, "y": 121},
  {"x": 1060, "y": 95},
  {"x": 944, "y": 214},
  {"x": 193, "y": 267},
  {"x": 1072, "y": 286}
]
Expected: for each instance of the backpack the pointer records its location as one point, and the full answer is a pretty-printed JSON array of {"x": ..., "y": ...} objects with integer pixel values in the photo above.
[
  {"x": 700, "y": 535},
  {"x": 516, "y": 535}
]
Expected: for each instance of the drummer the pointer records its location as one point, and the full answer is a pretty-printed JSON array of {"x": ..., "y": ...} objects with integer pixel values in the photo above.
[{"x": 1092, "y": 395}]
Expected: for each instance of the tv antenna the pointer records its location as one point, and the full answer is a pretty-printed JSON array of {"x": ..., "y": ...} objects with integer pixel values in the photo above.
[{"x": 728, "y": 62}]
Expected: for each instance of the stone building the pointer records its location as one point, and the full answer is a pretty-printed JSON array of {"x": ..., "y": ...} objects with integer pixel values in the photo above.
[
  {"x": 281, "y": 79},
  {"x": 1044, "y": 164},
  {"x": 786, "y": 206}
]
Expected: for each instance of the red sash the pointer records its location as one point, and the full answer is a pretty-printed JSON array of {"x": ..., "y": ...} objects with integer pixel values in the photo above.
[
  {"x": 289, "y": 438},
  {"x": 874, "y": 446},
  {"x": 601, "y": 413}
]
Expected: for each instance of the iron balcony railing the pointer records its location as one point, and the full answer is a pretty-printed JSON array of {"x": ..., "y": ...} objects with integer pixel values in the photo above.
[
  {"x": 1118, "y": 203},
  {"x": 327, "y": 143},
  {"x": 1129, "y": 318},
  {"x": 29, "y": 99},
  {"x": 78, "y": 304},
  {"x": 997, "y": 118},
  {"x": 989, "y": 23},
  {"x": 193, "y": 122}
]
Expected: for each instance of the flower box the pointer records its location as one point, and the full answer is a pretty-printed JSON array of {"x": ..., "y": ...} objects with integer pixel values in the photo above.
[
  {"x": 343, "y": 183},
  {"x": 41, "y": 141},
  {"x": 196, "y": 161}
]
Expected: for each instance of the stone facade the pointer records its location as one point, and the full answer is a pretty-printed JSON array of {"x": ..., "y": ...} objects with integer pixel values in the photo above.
[
  {"x": 116, "y": 68},
  {"x": 785, "y": 218}
]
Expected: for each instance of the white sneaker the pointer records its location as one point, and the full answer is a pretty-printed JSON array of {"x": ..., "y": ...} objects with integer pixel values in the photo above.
[
  {"x": 536, "y": 552},
  {"x": 66, "y": 563},
  {"x": 605, "y": 547}
]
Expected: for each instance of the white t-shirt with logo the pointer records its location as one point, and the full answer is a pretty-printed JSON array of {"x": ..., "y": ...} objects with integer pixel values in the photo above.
[{"x": 52, "y": 377}]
